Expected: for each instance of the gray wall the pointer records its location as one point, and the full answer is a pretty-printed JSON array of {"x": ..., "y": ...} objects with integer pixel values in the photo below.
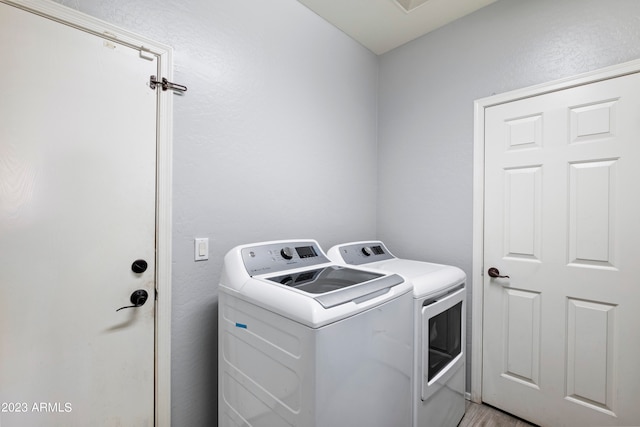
[
  {"x": 275, "y": 139},
  {"x": 426, "y": 93}
]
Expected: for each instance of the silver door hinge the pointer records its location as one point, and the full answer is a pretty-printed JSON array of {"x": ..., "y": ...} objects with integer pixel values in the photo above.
[{"x": 165, "y": 84}]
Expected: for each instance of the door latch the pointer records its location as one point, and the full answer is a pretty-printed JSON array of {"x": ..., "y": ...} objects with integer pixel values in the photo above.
[{"x": 166, "y": 84}]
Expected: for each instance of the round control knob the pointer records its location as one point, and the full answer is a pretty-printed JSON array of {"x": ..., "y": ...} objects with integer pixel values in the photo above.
[
  {"x": 367, "y": 251},
  {"x": 286, "y": 252}
]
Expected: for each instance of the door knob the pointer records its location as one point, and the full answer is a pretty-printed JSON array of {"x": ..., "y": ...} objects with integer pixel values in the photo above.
[
  {"x": 495, "y": 273},
  {"x": 138, "y": 298}
]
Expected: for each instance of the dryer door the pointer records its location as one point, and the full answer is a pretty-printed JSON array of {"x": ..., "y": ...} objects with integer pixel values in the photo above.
[{"x": 442, "y": 339}]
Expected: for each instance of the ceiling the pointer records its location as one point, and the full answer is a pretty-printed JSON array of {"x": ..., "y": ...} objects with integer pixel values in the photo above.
[{"x": 381, "y": 25}]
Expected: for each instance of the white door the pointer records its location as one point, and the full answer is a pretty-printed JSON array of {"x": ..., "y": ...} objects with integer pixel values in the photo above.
[
  {"x": 561, "y": 345},
  {"x": 77, "y": 208}
]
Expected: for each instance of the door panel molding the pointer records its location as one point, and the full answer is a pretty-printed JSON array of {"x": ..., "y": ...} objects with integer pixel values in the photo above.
[
  {"x": 528, "y": 125},
  {"x": 164, "y": 111}
]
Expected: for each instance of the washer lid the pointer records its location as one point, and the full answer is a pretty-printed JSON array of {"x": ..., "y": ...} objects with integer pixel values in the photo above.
[{"x": 334, "y": 285}]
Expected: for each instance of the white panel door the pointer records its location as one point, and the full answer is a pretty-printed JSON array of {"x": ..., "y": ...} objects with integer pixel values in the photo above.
[
  {"x": 562, "y": 220},
  {"x": 77, "y": 208}
]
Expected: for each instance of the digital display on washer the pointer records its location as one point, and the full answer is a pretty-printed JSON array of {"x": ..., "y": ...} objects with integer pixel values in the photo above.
[
  {"x": 306, "y": 252},
  {"x": 377, "y": 250},
  {"x": 325, "y": 279}
]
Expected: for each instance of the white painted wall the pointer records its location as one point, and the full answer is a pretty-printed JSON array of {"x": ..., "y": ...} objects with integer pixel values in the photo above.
[
  {"x": 426, "y": 93},
  {"x": 275, "y": 138}
]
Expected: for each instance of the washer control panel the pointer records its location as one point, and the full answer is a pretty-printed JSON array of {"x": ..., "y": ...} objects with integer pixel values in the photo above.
[
  {"x": 364, "y": 252},
  {"x": 279, "y": 256}
]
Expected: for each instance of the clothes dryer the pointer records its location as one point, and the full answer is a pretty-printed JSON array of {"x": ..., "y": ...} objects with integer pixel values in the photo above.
[
  {"x": 306, "y": 342},
  {"x": 439, "y": 313}
]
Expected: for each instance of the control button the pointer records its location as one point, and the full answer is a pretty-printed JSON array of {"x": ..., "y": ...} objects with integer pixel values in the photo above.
[
  {"x": 286, "y": 252},
  {"x": 367, "y": 251}
]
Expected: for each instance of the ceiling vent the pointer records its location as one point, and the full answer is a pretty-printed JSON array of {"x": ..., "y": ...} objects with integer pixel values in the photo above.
[{"x": 409, "y": 5}]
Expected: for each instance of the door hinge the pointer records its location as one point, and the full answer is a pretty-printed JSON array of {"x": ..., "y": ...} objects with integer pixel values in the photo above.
[{"x": 165, "y": 84}]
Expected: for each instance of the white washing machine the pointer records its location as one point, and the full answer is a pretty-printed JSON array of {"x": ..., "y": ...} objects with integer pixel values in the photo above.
[
  {"x": 439, "y": 329},
  {"x": 306, "y": 342}
]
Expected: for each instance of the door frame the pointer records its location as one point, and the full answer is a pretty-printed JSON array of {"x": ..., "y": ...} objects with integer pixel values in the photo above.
[
  {"x": 477, "y": 270},
  {"x": 164, "y": 142}
]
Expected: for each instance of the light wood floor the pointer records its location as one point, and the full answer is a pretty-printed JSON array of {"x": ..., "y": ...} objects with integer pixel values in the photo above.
[{"x": 487, "y": 416}]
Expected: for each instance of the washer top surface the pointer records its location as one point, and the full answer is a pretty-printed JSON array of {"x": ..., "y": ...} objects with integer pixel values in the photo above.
[
  {"x": 296, "y": 279},
  {"x": 427, "y": 278},
  {"x": 324, "y": 279}
]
